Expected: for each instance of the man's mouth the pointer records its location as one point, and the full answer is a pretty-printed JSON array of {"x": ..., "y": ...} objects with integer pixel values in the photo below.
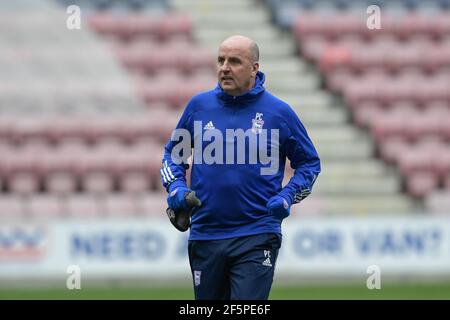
[{"x": 227, "y": 78}]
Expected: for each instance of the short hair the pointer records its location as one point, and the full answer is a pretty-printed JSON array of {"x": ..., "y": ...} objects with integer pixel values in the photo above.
[{"x": 254, "y": 51}]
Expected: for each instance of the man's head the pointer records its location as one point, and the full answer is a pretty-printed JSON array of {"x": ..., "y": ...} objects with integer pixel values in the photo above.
[{"x": 237, "y": 65}]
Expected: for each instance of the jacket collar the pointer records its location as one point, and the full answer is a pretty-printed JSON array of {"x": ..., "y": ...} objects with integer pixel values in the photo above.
[{"x": 249, "y": 95}]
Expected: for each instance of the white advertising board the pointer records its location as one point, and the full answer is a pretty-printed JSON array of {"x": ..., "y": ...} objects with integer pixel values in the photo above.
[{"x": 154, "y": 249}]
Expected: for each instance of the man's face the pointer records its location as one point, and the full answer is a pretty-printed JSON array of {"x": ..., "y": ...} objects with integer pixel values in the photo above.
[{"x": 235, "y": 69}]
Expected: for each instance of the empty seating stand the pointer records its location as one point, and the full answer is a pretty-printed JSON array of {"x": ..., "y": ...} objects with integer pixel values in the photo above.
[
  {"x": 396, "y": 81},
  {"x": 84, "y": 116}
]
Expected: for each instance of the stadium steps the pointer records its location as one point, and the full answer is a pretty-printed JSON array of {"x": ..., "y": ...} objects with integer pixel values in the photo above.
[
  {"x": 353, "y": 182},
  {"x": 357, "y": 205}
]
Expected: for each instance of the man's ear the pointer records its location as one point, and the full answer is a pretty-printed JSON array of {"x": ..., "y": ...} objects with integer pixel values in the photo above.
[{"x": 255, "y": 68}]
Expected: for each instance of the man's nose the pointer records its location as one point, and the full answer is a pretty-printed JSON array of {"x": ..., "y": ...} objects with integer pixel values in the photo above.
[{"x": 225, "y": 67}]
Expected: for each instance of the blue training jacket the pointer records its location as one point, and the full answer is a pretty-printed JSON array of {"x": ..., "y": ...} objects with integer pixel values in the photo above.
[{"x": 234, "y": 193}]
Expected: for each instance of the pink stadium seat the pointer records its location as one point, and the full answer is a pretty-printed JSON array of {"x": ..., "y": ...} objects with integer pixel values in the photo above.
[
  {"x": 436, "y": 57},
  {"x": 11, "y": 207},
  {"x": 83, "y": 206},
  {"x": 422, "y": 125},
  {"x": 142, "y": 25},
  {"x": 386, "y": 126},
  {"x": 447, "y": 181},
  {"x": 441, "y": 24},
  {"x": 121, "y": 205},
  {"x": 6, "y": 127},
  {"x": 155, "y": 205},
  {"x": 412, "y": 24},
  {"x": 135, "y": 182},
  {"x": 337, "y": 79},
  {"x": 106, "y": 129},
  {"x": 44, "y": 207},
  {"x": 174, "y": 25},
  {"x": 313, "y": 46},
  {"x": 29, "y": 128},
  {"x": 420, "y": 184},
  {"x": 197, "y": 58},
  {"x": 98, "y": 182},
  {"x": 139, "y": 168},
  {"x": 70, "y": 128},
  {"x": 366, "y": 112},
  {"x": 356, "y": 92},
  {"x": 367, "y": 56},
  {"x": 61, "y": 183},
  {"x": 97, "y": 171},
  {"x": 392, "y": 148},
  {"x": 22, "y": 175},
  {"x": 404, "y": 57},
  {"x": 415, "y": 160},
  {"x": 441, "y": 162},
  {"x": 333, "y": 57}
]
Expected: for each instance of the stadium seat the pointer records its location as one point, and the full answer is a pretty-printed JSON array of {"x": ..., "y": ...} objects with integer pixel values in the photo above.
[
  {"x": 121, "y": 205},
  {"x": 11, "y": 208},
  {"x": 421, "y": 184},
  {"x": 45, "y": 207},
  {"x": 155, "y": 205},
  {"x": 84, "y": 206}
]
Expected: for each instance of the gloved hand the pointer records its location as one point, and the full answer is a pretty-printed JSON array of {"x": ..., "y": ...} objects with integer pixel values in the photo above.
[
  {"x": 182, "y": 202},
  {"x": 176, "y": 199},
  {"x": 279, "y": 207}
]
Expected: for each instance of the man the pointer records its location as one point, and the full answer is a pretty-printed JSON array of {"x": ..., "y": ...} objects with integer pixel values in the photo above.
[{"x": 235, "y": 234}]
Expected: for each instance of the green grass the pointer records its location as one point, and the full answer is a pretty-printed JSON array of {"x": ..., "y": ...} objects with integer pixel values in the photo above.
[{"x": 300, "y": 292}]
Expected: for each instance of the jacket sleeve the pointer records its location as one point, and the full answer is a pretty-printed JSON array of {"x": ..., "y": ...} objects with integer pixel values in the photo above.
[
  {"x": 173, "y": 170},
  {"x": 304, "y": 160}
]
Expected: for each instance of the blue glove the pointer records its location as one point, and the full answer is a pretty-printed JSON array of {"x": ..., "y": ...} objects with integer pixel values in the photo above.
[
  {"x": 279, "y": 207},
  {"x": 176, "y": 199}
]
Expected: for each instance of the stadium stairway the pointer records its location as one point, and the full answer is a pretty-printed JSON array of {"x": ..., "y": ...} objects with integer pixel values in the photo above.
[{"x": 353, "y": 181}]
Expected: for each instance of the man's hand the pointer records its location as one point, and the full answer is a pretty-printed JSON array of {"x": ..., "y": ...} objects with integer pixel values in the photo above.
[
  {"x": 279, "y": 207},
  {"x": 181, "y": 202},
  {"x": 177, "y": 199}
]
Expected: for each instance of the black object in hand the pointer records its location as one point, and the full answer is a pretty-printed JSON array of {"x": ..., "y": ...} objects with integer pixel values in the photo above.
[{"x": 182, "y": 219}]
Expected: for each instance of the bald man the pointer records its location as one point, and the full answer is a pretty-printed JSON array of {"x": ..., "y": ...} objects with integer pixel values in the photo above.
[{"x": 241, "y": 136}]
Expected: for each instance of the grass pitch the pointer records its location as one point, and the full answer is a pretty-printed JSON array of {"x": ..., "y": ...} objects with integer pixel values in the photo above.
[{"x": 435, "y": 291}]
